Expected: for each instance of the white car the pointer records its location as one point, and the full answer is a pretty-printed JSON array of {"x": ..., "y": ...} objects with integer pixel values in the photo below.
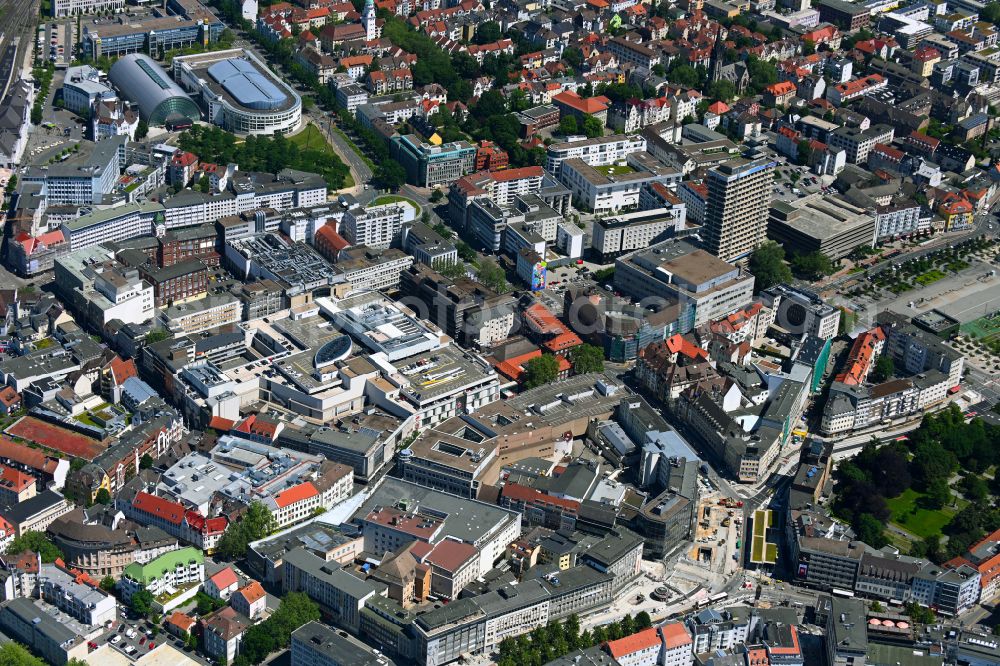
[
  {"x": 115, "y": 639},
  {"x": 130, "y": 633},
  {"x": 129, "y": 649}
]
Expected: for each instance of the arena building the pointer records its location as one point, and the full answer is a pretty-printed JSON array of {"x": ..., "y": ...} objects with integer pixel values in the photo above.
[{"x": 239, "y": 93}]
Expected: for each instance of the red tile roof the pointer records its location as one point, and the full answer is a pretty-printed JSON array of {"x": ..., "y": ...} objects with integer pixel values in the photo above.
[
  {"x": 543, "y": 320},
  {"x": 519, "y": 493},
  {"x": 517, "y": 174},
  {"x": 450, "y": 555},
  {"x": 298, "y": 493},
  {"x": 225, "y": 578},
  {"x": 172, "y": 512},
  {"x": 204, "y": 525},
  {"x": 675, "y": 635},
  {"x": 590, "y": 105},
  {"x": 252, "y": 592},
  {"x": 14, "y": 480},
  {"x": 644, "y": 640}
]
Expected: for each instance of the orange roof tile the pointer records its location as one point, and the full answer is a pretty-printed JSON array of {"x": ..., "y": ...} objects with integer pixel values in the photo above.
[
  {"x": 644, "y": 640},
  {"x": 675, "y": 635},
  {"x": 252, "y": 592},
  {"x": 298, "y": 493}
]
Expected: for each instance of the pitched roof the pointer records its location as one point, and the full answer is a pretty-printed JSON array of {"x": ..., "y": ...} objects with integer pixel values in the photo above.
[
  {"x": 298, "y": 493},
  {"x": 172, "y": 512},
  {"x": 644, "y": 640},
  {"x": 675, "y": 635},
  {"x": 450, "y": 555},
  {"x": 225, "y": 578},
  {"x": 252, "y": 592}
]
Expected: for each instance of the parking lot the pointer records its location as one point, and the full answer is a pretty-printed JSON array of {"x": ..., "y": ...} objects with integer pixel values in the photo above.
[
  {"x": 133, "y": 638},
  {"x": 60, "y": 37}
]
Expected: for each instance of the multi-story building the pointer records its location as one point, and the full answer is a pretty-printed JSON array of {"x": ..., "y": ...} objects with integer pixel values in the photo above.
[
  {"x": 441, "y": 459},
  {"x": 898, "y": 219},
  {"x": 466, "y": 310},
  {"x": 916, "y": 351},
  {"x": 705, "y": 287},
  {"x": 846, "y": 624},
  {"x": 614, "y": 187},
  {"x": 375, "y": 226},
  {"x": 200, "y": 315},
  {"x": 801, "y": 312},
  {"x": 736, "y": 209},
  {"x": 82, "y": 87},
  {"x": 601, "y": 151},
  {"x": 816, "y": 223},
  {"x": 179, "y": 568},
  {"x": 315, "y": 644},
  {"x": 81, "y": 599},
  {"x": 15, "y": 485},
  {"x": 239, "y": 92},
  {"x": 614, "y": 236},
  {"x": 430, "y": 165},
  {"x": 85, "y": 178},
  {"x": 74, "y": 7},
  {"x": 632, "y": 52},
  {"x": 858, "y": 143},
  {"x": 339, "y": 593}
]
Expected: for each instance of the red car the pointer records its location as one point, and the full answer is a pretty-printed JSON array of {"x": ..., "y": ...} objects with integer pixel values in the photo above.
[{"x": 151, "y": 645}]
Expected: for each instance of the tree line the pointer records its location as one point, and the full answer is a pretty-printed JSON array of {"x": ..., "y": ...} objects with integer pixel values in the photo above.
[{"x": 544, "y": 644}]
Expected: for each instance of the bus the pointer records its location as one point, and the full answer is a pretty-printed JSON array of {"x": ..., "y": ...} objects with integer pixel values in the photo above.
[
  {"x": 715, "y": 598},
  {"x": 842, "y": 593}
]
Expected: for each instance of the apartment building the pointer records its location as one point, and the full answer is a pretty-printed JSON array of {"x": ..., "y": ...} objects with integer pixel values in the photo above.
[
  {"x": 601, "y": 151},
  {"x": 736, "y": 210}
]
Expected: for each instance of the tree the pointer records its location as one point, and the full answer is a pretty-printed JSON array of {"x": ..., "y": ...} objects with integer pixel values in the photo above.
[
  {"x": 36, "y": 542},
  {"x": 812, "y": 266},
  {"x": 389, "y": 175},
  {"x": 492, "y": 276},
  {"x": 487, "y": 32},
  {"x": 643, "y": 621},
  {"x": 146, "y": 462},
  {"x": 108, "y": 584},
  {"x": 683, "y": 75},
  {"x": 541, "y": 370},
  {"x": 204, "y": 186},
  {"x": 938, "y": 494},
  {"x": 721, "y": 90},
  {"x": 587, "y": 358},
  {"x": 157, "y": 335},
  {"x": 425, "y": 217},
  {"x": 804, "y": 153},
  {"x": 142, "y": 129},
  {"x": 884, "y": 368},
  {"x": 142, "y": 602},
  {"x": 255, "y": 524},
  {"x": 592, "y": 127},
  {"x": 567, "y": 125},
  {"x": 573, "y": 57},
  {"x": 15, "y": 654},
  {"x": 918, "y": 613},
  {"x": 436, "y": 195},
  {"x": 103, "y": 496},
  {"x": 870, "y": 530},
  {"x": 876, "y": 607},
  {"x": 767, "y": 264},
  {"x": 991, "y": 13},
  {"x": 275, "y": 632}
]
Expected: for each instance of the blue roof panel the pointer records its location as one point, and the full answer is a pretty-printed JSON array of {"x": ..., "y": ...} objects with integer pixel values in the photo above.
[{"x": 247, "y": 84}]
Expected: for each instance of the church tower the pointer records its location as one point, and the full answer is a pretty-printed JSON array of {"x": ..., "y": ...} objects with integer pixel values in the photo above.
[
  {"x": 718, "y": 60},
  {"x": 368, "y": 20}
]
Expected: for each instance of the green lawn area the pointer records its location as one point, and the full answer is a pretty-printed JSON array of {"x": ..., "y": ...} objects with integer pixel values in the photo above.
[
  {"x": 312, "y": 139},
  {"x": 984, "y": 328},
  {"x": 615, "y": 170},
  {"x": 907, "y": 514},
  {"x": 929, "y": 277},
  {"x": 393, "y": 198}
]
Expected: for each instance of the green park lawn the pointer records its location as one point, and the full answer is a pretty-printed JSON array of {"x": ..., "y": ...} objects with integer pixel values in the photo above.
[
  {"x": 929, "y": 277},
  {"x": 614, "y": 170},
  {"x": 393, "y": 198},
  {"x": 907, "y": 514},
  {"x": 312, "y": 139}
]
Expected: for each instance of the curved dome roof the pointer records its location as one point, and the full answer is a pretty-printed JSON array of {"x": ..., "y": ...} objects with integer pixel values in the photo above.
[
  {"x": 335, "y": 350},
  {"x": 144, "y": 83},
  {"x": 247, "y": 85}
]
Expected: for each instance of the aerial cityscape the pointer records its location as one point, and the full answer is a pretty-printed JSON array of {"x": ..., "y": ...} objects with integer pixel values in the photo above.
[{"x": 500, "y": 332}]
